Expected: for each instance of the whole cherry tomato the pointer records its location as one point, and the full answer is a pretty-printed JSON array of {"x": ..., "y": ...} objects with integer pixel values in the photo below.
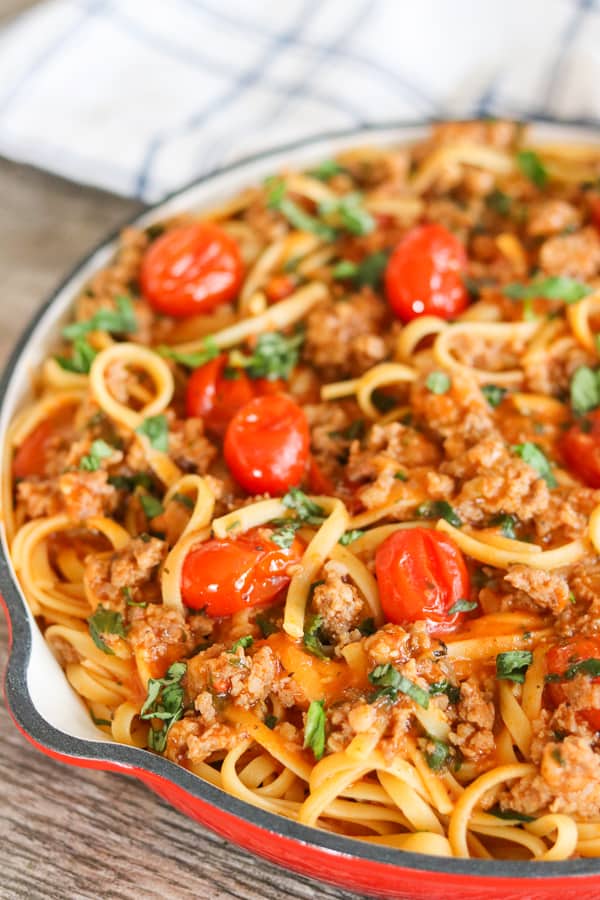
[
  {"x": 424, "y": 275},
  {"x": 191, "y": 269},
  {"x": 267, "y": 444},
  {"x": 580, "y": 447},
  {"x": 215, "y": 398},
  {"x": 421, "y": 574},
  {"x": 34, "y": 452},
  {"x": 559, "y": 659},
  {"x": 225, "y": 576}
]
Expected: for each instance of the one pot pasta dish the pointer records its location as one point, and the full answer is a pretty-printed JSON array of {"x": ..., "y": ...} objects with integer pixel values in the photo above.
[{"x": 308, "y": 497}]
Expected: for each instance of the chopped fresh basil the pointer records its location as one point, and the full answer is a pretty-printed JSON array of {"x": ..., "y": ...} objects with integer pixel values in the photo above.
[
  {"x": 151, "y": 506},
  {"x": 271, "y": 721},
  {"x": 314, "y": 728},
  {"x": 126, "y": 591},
  {"x": 274, "y": 356},
  {"x": 438, "y": 509},
  {"x": 121, "y": 320},
  {"x": 585, "y": 390},
  {"x": 452, "y": 691},
  {"x": 277, "y": 199},
  {"x": 285, "y": 533},
  {"x": 512, "y": 665},
  {"x": 130, "y": 482},
  {"x": 81, "y": 358},
  {"x": 510, "y": 814},
  {"x": 532, "y": 167},
  {"x": 266, "y": 626},
  {"x": 96, "y": 721},
  {"x": 390, "y": 683},
  {"x": 439, "y": 754},
  {"x": 326, "y": 170},
  {"x": 368, "y": 271},
  {"x": 243, "y": 642},
  {"x": 506, "y": 523},
  {"x": 493, "y": 394},
  {"x": 499, "y": 202},
  {"x": 462, "y": 606},
  {"x": 105, "y": 621},
  {"x": 534, "y": 457},
  {"x": 183, "y": 500},
  {"x": 92, "y": 461},
  {"x": 438, "y": 383},
  {"x": 347, "y": 212},
  {"x": 344, "y": 269},
  {"x": 590, "y": 666},
  {"x": 306, "y": 509},
  {"x": 555, "y": 287},
  {"x": 192, "y": 360},
  {"x": 353, "y": 432},
  {"x": 350, "y": 536},
  {"x": 156, "y": 429},
  {"x": 164, "y": 702},
  {"x": 312, "y": 640}
]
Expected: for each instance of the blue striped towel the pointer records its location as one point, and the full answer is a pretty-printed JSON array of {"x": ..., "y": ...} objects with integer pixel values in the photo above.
[{"x": 140, "y": 96}]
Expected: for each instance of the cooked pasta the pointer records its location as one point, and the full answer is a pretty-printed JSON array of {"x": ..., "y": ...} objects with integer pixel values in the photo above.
[{"x": 308, "y": 500}]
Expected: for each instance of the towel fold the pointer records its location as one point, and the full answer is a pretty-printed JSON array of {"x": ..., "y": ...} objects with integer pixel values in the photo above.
[{"x": 141, "y": 96}]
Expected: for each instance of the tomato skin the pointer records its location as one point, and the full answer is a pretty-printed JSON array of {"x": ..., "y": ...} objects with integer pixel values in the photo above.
[
  {"x": 581, "y": 449},
  {"x": 227, "y": 575},
  {"x": 191, "y": 269},
  {"x": 424, "y": 274},
  {"x": 558, "y": 660},
  {"x": 215, "y": 399},
  {"x": 421, "y": 573},
  {"x": 267, "y": 444},
  {"x": 31, "y": 456}
]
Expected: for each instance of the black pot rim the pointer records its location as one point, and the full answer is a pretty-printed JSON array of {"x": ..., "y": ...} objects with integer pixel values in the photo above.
[{"x": 31, "y": 721}]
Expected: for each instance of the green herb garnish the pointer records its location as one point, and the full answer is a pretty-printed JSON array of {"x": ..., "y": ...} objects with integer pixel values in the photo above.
[
  {"x": 81, "y": 359},
  {"x": 438, "y": 383},
  {"x": 156, "y": 429},
  {"x": 452, "y": 691},
  {"x": 314, "y": 728},
  {"x": 274, "y": 356},
  {"x": 151, "y": 506},
  {"x": 532, "y": 167},
  {"x": 390, "y": 683},
  {"x": 92, "y": 461},
  {"x": 438, "y": 509},
  {"x": 192, "y": 360},
  {"x": 119, "y": 321},
  {"x": 348, "y": 213},
  {"x": 350, "y": 536},
  {"x": 555, "y": 287},
  {"x": 585, "y": 390},
  {"x": 438, "y": 756},
  {"x": 164, "y": 702},
  {"x": 105, "y": 621},
  {"x": 312, "y": 640},
  {"x": 243, "y": 642},
  {"x": 462, "y": 606},
  {"x": 513, "y": 665},
  {"x": 506, "y": 523},
  {"x": 493, "y": 394},
  {"x": 277, "y": 199},
  {"x": 534, "y": 457}
]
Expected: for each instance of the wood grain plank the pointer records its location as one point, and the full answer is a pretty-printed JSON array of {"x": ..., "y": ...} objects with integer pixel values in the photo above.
[{"x": 72, "y": 833}]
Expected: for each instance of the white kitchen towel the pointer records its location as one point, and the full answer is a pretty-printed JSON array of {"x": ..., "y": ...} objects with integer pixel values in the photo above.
[{"x": 141, "y": 96}]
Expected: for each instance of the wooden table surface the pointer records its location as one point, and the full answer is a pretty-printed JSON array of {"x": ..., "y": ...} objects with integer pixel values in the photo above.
[{"x": 69, "y": 833}]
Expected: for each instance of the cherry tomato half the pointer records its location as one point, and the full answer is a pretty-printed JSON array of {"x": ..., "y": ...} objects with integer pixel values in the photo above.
[
  {"x": 560, "y": 658},
  {"x": 34, "y": 452},
  {"x": 580, "y": 447},
  {"x": 421, "y": 574},
  {"x": 224, "y": 576},
  {"x": 215, "y": 398},
  {"x": 267, "y": 444},
  {"x": 424, "y": 275},
  {"x": 191, "y": 269}
]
